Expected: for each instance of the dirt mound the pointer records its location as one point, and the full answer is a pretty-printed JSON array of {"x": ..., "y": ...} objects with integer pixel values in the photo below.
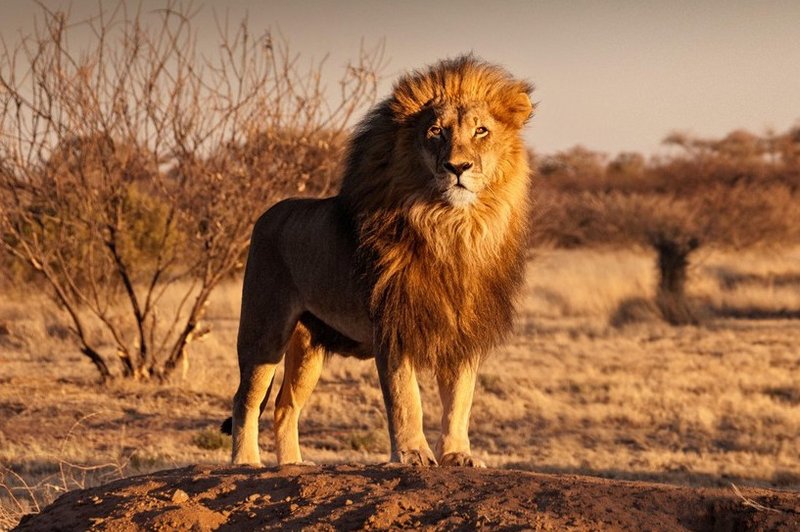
[{"x": 345, "y": 497}]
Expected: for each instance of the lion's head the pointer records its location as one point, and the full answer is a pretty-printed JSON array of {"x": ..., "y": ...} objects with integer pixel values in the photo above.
[{"x": 445, "y": 135}]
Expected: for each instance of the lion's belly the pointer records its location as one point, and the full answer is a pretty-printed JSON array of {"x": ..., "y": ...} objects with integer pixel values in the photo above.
[
  {"x": 334, "y": 340},
  {"x": 353, "y": 325}
]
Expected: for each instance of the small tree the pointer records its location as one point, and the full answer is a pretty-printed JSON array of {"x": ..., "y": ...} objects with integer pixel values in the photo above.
[
  {"x": 673, "y": 227},
  {"x": 133, "y": 168},
  {"x": 725, "y": 193}
]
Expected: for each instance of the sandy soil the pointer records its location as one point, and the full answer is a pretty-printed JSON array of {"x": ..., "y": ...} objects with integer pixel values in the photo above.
[{"x": 379, "y": 497}]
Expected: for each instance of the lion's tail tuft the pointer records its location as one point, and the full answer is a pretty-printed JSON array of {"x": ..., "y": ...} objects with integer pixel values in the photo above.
[{"x": 227, "y": 426}]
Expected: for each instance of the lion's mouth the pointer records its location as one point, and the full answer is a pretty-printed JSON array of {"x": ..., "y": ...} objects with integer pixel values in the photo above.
[{"x": 460, "y": 196}]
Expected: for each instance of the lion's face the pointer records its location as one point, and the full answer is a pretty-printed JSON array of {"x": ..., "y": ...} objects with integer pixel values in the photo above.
[
  {"x": 446, "y": 143},
  {"x": 460, "y": 145}
]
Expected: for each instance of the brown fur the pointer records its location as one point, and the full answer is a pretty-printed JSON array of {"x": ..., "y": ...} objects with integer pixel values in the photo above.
[{"x": 416, "y": 262}]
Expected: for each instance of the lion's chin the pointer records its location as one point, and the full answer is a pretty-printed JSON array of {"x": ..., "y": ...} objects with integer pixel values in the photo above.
[{"x": 458, "y": 196}]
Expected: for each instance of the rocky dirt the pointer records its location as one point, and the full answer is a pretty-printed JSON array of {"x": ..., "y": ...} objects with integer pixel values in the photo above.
[{"x": 336, "y": 497}]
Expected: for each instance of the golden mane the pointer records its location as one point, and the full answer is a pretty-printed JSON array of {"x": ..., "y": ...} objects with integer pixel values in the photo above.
[{"x": 441, "y": 281}]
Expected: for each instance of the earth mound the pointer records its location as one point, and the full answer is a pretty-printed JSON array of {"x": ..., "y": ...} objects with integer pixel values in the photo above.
[{"x": 335, "y": 497}]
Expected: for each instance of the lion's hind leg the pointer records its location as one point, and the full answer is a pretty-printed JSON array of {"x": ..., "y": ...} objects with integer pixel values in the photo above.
[
  {"x": 255, "y": 381},
  {"x": 303, "y": 366},
  {"x": 268, "y": 319},
  {"x": 226, "y": 427},
  {"x": 259, "y": 355}
]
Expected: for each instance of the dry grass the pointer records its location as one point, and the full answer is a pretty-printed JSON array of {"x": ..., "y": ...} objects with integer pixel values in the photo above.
[
  {"x": 570, "y": 392},
  {"x": 752, "y": 284}
]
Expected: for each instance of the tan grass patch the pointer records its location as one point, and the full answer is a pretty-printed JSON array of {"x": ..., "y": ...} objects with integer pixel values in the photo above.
[{"x": 568, "y": 393}]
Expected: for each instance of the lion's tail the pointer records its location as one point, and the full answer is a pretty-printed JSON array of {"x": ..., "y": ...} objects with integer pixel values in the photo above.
[{"x": 227, "y": 426}]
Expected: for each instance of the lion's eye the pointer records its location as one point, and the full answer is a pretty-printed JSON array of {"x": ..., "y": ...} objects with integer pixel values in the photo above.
[
  {"x": 481, "y": 131},
  {"x": 434, "y": 131}
]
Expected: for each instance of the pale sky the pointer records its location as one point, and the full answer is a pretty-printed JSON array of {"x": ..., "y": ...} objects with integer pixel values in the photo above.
[{"x": 613, "y": 75}]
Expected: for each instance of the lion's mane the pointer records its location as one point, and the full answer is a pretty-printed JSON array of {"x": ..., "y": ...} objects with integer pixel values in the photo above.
[{"x": 441, "y": 281}]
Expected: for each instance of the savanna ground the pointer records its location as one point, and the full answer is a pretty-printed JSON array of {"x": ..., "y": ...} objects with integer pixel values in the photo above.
[{"x": 591, "y": 383}]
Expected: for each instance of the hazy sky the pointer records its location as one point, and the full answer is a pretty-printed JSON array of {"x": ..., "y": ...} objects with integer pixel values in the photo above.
[{"x": 613, "y": 76}]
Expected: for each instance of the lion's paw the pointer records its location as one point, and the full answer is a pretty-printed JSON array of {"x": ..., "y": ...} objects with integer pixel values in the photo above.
[
  {"x": 461, "y": 460},
  {"x": 416, "y": 457}
]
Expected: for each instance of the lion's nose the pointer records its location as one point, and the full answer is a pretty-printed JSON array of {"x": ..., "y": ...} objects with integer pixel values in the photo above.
[{"x": 457, "y": 168}]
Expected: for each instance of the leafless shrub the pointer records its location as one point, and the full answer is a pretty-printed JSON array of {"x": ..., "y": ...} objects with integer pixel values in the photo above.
[
  {"x": 133, "y": 166},
  {"x": 20, "y": 498}
]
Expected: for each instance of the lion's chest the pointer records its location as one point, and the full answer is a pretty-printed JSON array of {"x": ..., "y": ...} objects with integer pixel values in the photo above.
[{"x": 443, "y": 309}]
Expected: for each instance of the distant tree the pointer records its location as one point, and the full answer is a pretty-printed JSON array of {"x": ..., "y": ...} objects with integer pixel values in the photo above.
[
  {"x": 628, "y": 170},
  {"x": 133, "y": 168},
  {"x": 577, "y": 167},
  {"x": 676, "y": 227},
  {"x": 789, "y": 149},
  {"x": 725, "y": 193}
]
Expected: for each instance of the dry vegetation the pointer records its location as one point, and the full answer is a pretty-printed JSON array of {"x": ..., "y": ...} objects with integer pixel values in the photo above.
[
  {"x": 570, "y": 393},
  {"x": 134, "y": 166}
]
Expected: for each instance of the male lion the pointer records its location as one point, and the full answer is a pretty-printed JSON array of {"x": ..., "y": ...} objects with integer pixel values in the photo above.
[{"x": 416, "y": 262}]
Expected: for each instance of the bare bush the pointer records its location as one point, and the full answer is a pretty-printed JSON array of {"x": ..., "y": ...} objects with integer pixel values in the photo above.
[{"x": 134, "y": 166}]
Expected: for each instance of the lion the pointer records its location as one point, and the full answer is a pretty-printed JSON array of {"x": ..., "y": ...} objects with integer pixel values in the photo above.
[{"x": 415, "y": 262}]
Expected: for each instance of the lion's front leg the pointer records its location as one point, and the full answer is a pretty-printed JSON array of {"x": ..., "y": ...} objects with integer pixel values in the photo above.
[
  {"x": 404, "y": 411},
  {"x": 456, "y": 392}
]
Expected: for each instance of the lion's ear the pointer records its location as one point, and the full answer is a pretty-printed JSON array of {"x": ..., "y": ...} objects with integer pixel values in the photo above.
[{"x": 520, "y": 109}]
